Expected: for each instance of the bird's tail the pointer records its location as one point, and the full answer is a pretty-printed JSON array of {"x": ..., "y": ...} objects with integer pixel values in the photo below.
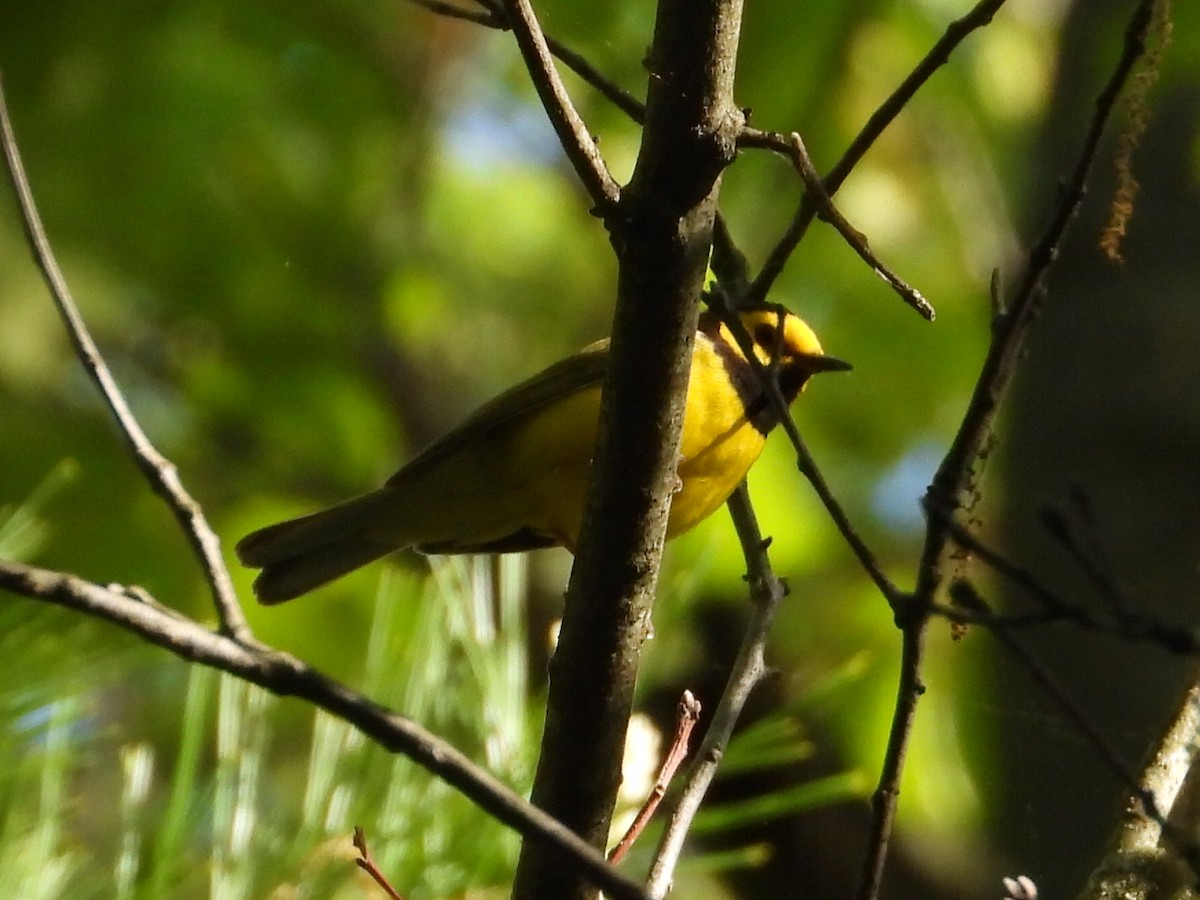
[{"x": 301, "y": 554}]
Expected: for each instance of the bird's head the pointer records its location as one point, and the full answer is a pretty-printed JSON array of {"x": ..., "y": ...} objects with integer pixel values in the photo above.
[
  {"x": 794, "y": 348},
  {"x": 792, "y": 353}
]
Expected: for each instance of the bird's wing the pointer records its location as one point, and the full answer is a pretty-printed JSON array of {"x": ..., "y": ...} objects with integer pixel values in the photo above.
[{"x": 575, "y": 373}]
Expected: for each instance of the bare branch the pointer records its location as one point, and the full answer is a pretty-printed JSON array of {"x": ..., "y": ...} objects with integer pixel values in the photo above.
[
  {"x": 727, "y": 261},
  {"x": 134, "y": 611},
  {"x": 491, "y": 18},
  {"x": 1121, "y": 621},
  {"x": 577, "y": 63},
  {"x": 885, "y": 799},
  {"x": 807, "y": 464},
  {"x": 956, "y": 32},
  {"x": 956, "y": 480},
  {"x": 572, "y": 133},
  {"x": 958, "y": 475},
  {"x": 365, "y": 862},
  {"x": 159, "y": 471},
  {"x": 1150, "y": 822},
  {"x": 767, "y": 592},
  {"x": 1163, "y": 779},
  {"x": 662, "y": 233},
  {"x": 971, "y": 599},
  {"x": 855, "y": 238},
  {"x": 494, "y": 16}
]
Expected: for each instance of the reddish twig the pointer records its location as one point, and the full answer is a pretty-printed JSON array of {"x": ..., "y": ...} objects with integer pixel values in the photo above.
[
  {"x": 685, "y": 722},
  {"x": 767, "y": 593},
  {"x": 367, "y": 864}
]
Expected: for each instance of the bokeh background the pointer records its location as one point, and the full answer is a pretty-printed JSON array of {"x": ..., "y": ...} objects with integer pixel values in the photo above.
[{"x": 310, "y": 237}]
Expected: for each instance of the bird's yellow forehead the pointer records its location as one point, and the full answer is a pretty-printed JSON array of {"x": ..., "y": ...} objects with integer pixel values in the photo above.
[{"x": 798, "y": 338}]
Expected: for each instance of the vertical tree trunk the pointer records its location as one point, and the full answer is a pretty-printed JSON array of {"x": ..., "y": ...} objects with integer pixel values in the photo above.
[{"x": 661, "y": 230}]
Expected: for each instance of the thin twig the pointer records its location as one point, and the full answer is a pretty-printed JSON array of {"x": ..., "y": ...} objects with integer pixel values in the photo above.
[
  {"x": 855, "y": 238},
  {"x": 956, "y": 480},
  {"x": 1178, "y": 640},
  {"x": 728, "y": 262},
  {"x": 489, "y": 17},
  {"x": 572, "y": 133},
  {"x": 968, "y": 597},
  {"x": 158, "y": 470},
  {"x": 1091, "y": 560},
  {"x": 884, "y": 800},
  {"x": 958, "y": 475},
  {"x": 767, "y": 591},
  {"x": 804, "y": 458},
  {"x": 938, "y": 55},
  {"x": 496, "y": 17},
  {"x": 1147, "y": 823},
  {"x": 687, "y": 715},
  {"x": 367, "y": 864},
  {"x": 807, "y": 465},
  {"x": 1054, "y": 608},
  {"x": 287, "y": 676}
]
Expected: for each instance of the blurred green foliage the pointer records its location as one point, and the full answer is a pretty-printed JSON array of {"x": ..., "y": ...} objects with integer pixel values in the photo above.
[{"x": 309, "y": 238}]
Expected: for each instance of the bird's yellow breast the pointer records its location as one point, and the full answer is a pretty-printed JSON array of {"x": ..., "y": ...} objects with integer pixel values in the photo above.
[{"x": 717, "y": 447}]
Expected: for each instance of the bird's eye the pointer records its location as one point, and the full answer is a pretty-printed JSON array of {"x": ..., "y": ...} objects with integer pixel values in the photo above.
[{"x": 765, "y": 336}]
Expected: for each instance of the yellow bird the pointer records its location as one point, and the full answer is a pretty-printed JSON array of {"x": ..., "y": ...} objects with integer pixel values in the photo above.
[{"x": 513, "y": 476}]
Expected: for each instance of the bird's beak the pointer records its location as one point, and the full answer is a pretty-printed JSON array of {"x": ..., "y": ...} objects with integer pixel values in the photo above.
[{"x": 827, "y": 364}]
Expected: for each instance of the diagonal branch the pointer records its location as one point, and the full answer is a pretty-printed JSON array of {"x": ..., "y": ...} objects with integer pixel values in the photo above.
[
  {"x": 957, "y": 477},
  {"x": 688, "y": 714},
  {"x": 572, "y": 133},
  {"x": 1152, "y": 815},
  {"x": 1164, "y": 788},
  {"x": 136, "y": 612},
  {"x": 956, "y": 32},
  {"x": 727, "y": 261},
  {"x": 159, "y": 471},
  {"x": 767, "y": 591},
  {"x": 959, "y": 474},
  {"x": 807, "y": 464},
  {"x": 490, "y": 17},
  {"x": 495, "y": 17},
  {"x": 855, "y": 238}
]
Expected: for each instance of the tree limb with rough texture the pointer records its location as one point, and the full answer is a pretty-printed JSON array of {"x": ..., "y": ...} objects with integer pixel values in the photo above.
[{"x": 662, "y": 231}]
